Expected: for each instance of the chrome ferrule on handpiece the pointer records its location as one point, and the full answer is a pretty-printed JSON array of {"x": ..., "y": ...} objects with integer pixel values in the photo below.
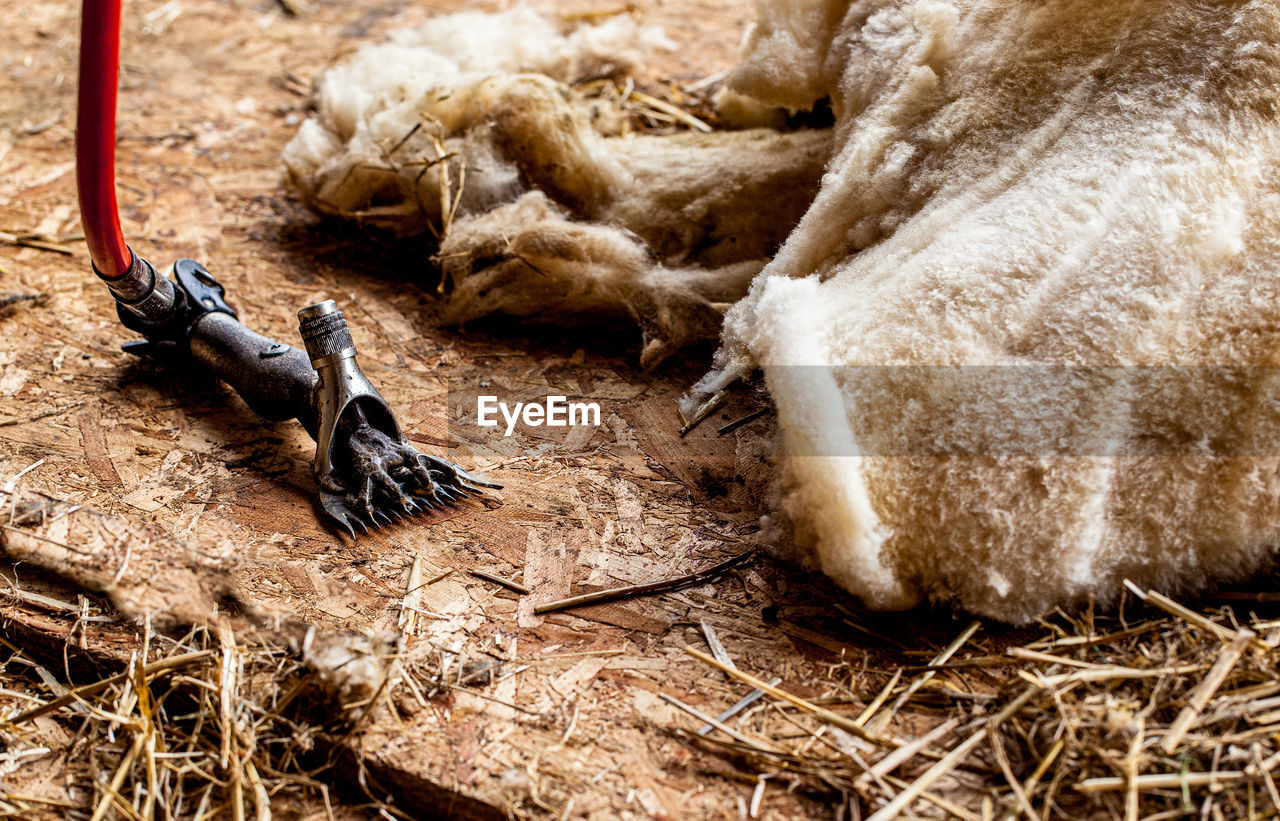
[
  {"x": 143, "y": 292},
  {"x": 325, "y": 334}
]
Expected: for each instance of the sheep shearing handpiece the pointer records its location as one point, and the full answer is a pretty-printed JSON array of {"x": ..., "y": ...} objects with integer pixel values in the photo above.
[{"x": 367, "y": 471}]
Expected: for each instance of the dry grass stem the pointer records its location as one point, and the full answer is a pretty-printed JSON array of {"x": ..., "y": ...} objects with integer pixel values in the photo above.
[
  {"x": 630, "y": 591},
  {"x": 498, "y": 580},
  {"x": 1172, "y": 715}
]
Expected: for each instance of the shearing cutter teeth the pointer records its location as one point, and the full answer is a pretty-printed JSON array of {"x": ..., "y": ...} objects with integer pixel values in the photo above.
[{"x": 369, "y": 473}]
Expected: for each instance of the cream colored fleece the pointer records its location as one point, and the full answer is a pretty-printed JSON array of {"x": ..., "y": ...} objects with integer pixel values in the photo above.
[{"x": 1018, "y": 186}]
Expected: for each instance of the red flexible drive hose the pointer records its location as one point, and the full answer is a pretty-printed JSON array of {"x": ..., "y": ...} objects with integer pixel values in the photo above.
[{"x": 96, "y": 137}]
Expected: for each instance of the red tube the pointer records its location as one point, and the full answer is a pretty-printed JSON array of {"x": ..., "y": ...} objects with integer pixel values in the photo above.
[{"x": 96, "y": 137}]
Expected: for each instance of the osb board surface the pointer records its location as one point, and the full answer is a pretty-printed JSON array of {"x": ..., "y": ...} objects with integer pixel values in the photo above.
[{"x": 211, "y": 92}]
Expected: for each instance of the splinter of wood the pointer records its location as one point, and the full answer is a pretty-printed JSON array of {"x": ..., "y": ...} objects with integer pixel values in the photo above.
[{"x": 641, "y": 589}]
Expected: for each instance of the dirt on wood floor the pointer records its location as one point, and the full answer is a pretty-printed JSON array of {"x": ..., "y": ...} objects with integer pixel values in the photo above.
[{"x": 162, "y": 493}]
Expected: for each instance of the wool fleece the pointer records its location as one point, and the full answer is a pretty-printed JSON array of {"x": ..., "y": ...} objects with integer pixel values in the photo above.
[
  {"x": 470, "y": 127},
  {"x": 1022, "y": 335}
]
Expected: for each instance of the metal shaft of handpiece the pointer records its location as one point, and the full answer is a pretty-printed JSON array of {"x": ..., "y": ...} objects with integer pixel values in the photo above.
[{"x": 274, "y": 379}]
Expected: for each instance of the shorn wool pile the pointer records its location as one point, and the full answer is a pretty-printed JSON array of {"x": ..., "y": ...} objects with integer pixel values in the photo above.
[{"x": 1017, "y": 309}]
